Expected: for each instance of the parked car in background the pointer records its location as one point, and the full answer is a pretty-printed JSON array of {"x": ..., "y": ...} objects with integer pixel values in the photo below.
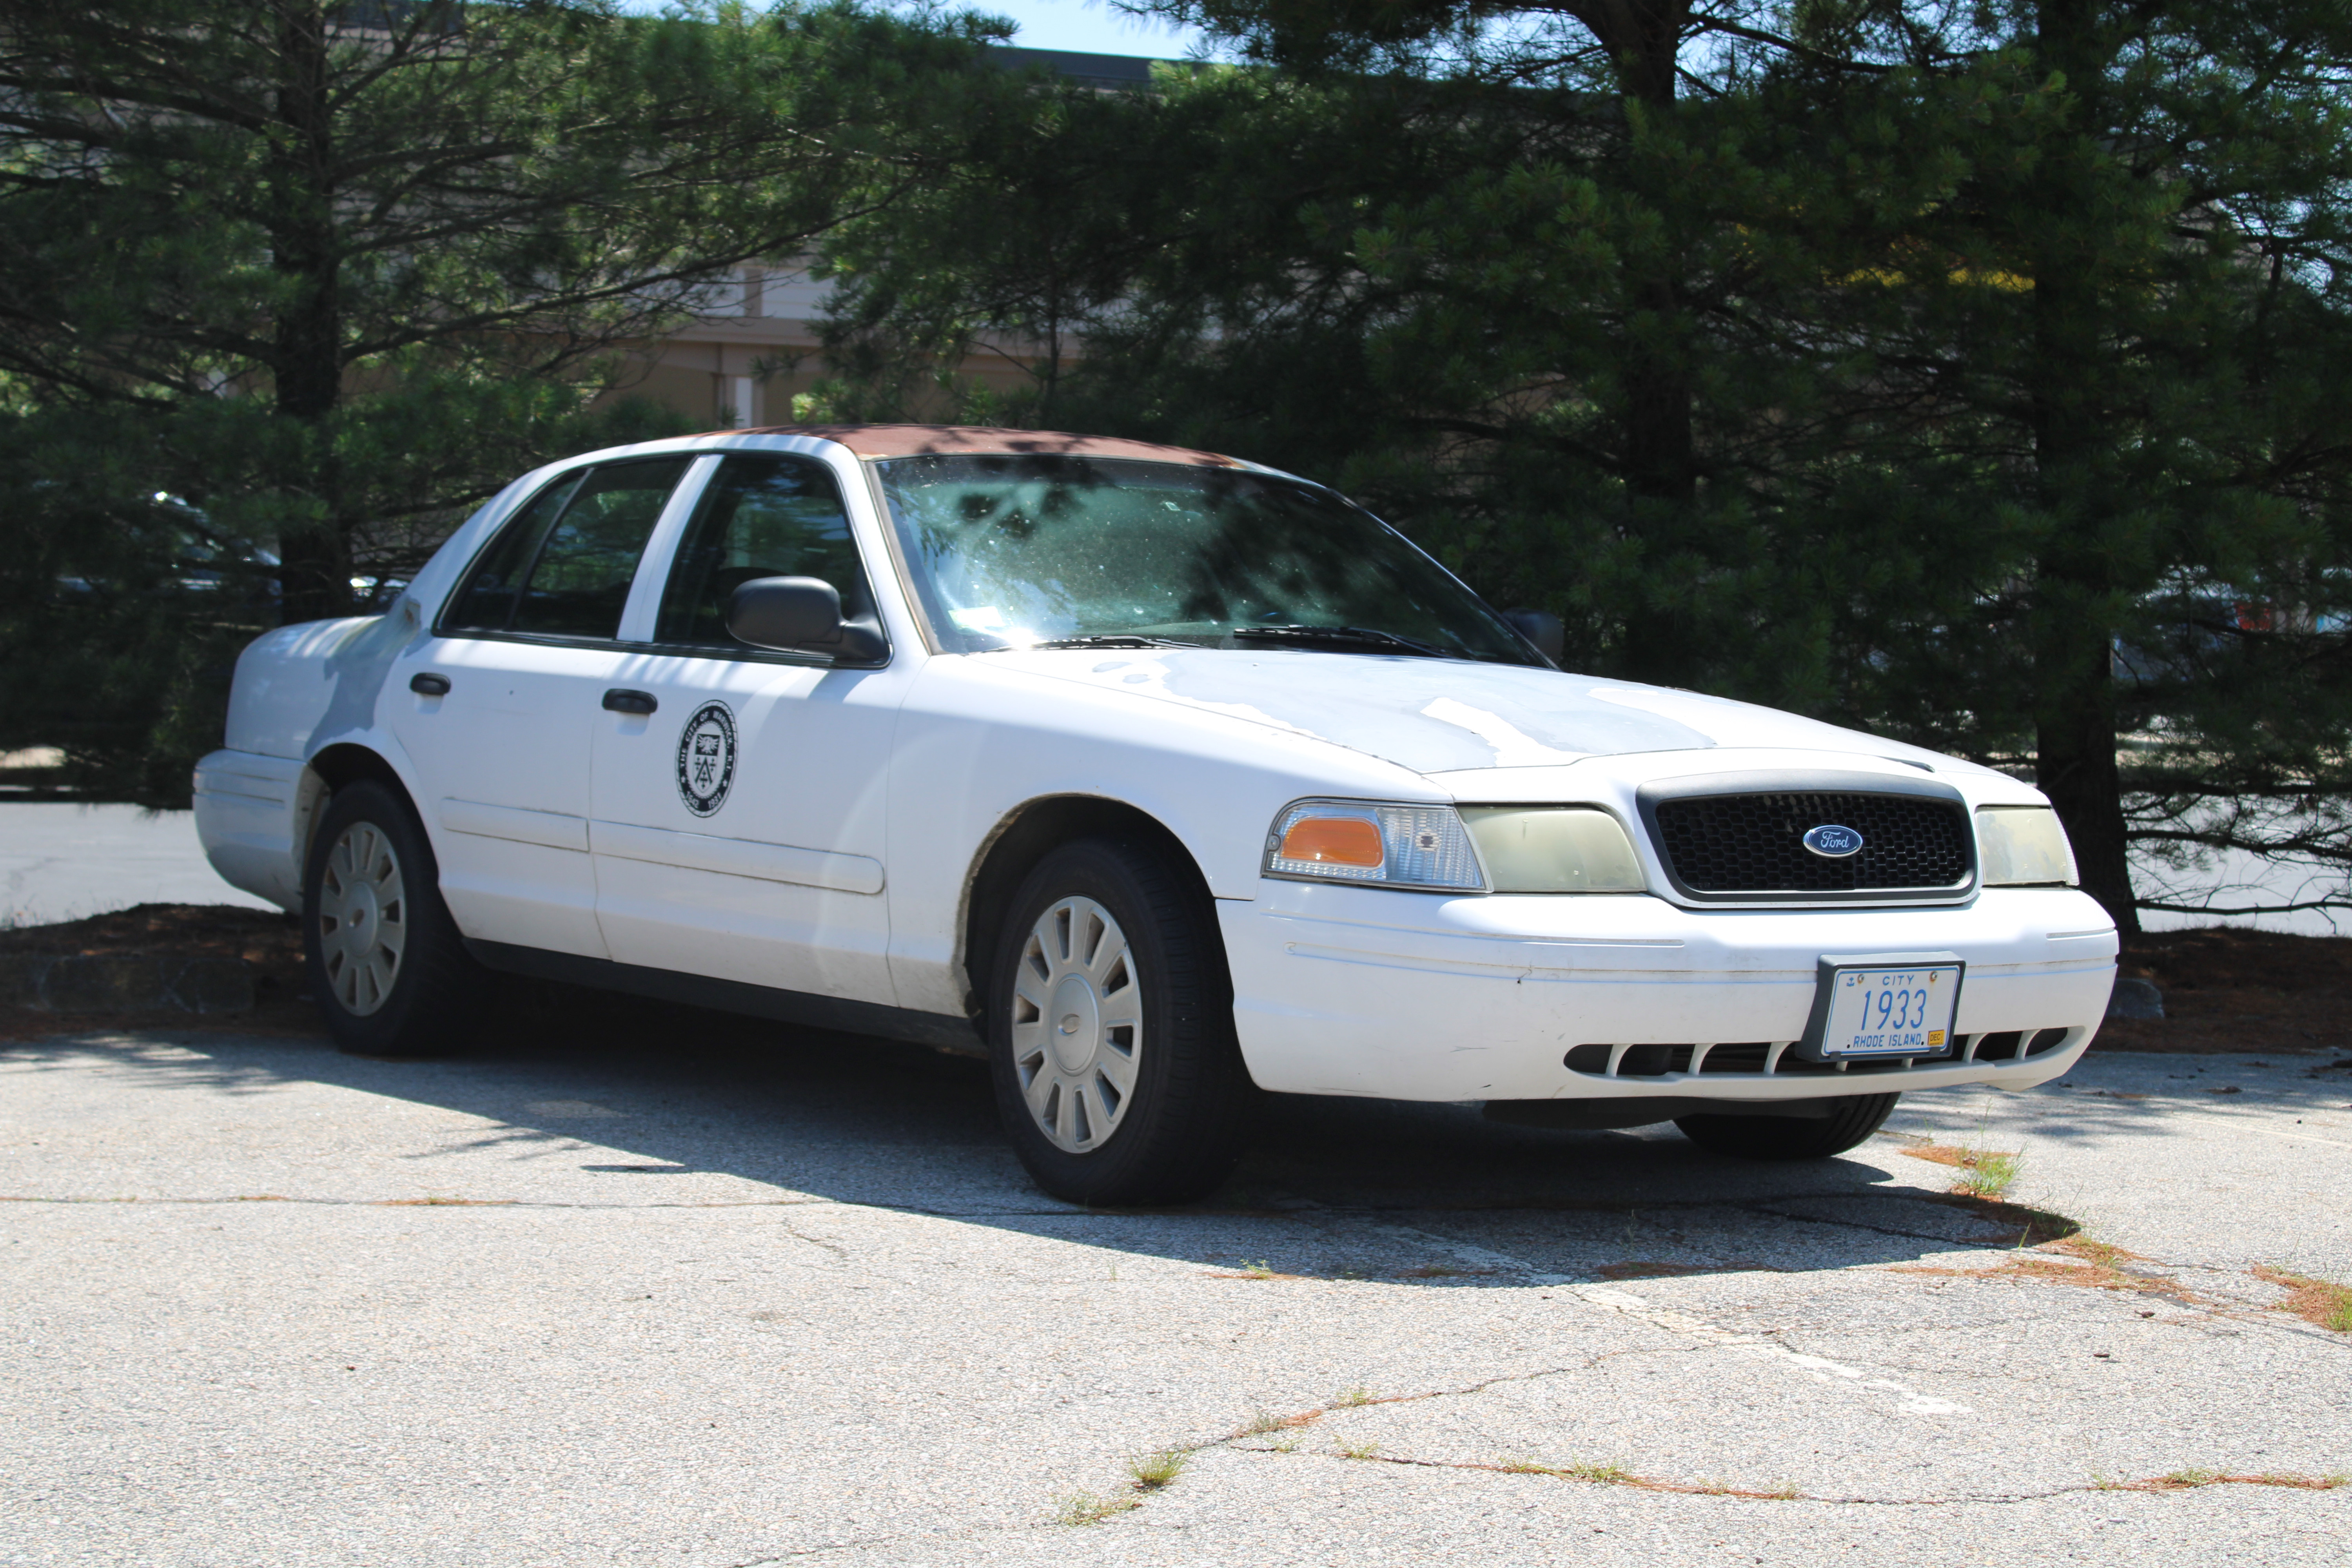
[{"x": 1162, "y": 778}]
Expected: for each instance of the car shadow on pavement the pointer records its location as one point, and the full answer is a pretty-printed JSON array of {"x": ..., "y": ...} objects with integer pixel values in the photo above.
[{"x": 588, "y": 1098}]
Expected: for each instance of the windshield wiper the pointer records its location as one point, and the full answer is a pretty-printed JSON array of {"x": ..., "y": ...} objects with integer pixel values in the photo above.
[
  {"x": 1102, "y": 639},
  {"x": 1362, "y": 637}
]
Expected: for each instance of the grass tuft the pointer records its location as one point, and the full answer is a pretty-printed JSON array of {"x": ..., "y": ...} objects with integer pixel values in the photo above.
[
  {"x": 1359, "y": 1450},
  {"x": 1153, "y": 1472},
  {"x": 1988, "y": 1174},
  {"x": 1348, "y": 1398},
  {"x": 1984, "y": 1173},
  {"x": 1603, "y": 1475},
  {"x": 1086, "y": 1507}
]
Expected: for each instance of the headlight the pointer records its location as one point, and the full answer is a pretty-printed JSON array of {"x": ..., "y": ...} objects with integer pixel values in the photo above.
[
  {"x": 1363, "y": 841},
  {"x": 1554, "y": 850},
  {"x": 2021, "y": 846}
]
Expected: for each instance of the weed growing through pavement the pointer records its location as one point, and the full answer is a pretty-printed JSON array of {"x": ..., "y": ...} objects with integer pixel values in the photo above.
[
  {"x": 2319, "y": 1302},
  {"x": 1264, "y": 1421},
  {"x": 1348, "y": 1398},
  {"x": 1984, "y": 1173},
  {"x": 1603, "y": 1475},
  {"x": 1359, "y": 1450},
  {"x": 1086, "y": 1507},
  {"x": 1153, "y": 1472},
  {"x": 1988, "y": 1174}
]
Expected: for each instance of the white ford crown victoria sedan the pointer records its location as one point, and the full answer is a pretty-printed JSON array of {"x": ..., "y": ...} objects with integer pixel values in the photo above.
[{"x": 1162, "y": 778}]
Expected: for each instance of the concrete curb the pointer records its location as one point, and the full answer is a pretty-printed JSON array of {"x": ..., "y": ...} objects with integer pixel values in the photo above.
[{"x": 55, "y": 983}]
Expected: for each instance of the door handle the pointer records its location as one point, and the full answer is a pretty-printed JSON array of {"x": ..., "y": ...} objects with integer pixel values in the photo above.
[
  {"x": 428, "y": 684},
  {"x": 620, "y": 700}
]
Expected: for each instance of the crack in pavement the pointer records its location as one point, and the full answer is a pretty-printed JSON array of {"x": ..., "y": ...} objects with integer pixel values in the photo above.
[
  {"x": 2179, "y": 1481},
  {"x": 1820, "y": 1368}
]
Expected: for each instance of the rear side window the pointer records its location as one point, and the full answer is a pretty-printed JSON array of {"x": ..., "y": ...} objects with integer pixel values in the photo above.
[
  {"x": 760, "y": 517},
  {"x": 563, "y": 565}
]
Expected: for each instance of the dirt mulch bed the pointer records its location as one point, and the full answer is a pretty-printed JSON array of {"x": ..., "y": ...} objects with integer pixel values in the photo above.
[
  {"x": 270, "y": 944},
  {"x": 2248, "y": 992}
]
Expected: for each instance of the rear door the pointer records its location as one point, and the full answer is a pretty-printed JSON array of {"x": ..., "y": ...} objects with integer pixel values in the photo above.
[
  {"x": 515, "y": 673},
  {"x": 738, "y": 829}
]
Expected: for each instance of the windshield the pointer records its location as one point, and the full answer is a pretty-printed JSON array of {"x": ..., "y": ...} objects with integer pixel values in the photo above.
[{"x": 1016, "y": 551}]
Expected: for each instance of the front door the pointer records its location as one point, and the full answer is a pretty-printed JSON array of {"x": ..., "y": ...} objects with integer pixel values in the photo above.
[
  {"x": 737, "y": 830},
  {"x": 514, "y": 677}
]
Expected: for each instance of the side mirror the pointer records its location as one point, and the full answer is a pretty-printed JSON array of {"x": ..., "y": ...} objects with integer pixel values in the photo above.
[
  {"x": 800, "y": 615},
  {"x": 1548, "y": 632}
]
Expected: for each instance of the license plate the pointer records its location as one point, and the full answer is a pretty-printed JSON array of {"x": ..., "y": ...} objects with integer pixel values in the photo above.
[{"x": 1889, "y": 1005}]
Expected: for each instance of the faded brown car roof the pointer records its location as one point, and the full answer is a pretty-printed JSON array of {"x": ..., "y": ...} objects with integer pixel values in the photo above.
[{"x": 921, "y": 440}]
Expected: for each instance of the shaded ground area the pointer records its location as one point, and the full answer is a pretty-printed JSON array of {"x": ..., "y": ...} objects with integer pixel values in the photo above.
[{"x": 650, "y": 1287}]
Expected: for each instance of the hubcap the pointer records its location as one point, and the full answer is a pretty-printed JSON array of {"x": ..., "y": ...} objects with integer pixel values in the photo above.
[
  {"x": 1077, "y": 1024},
  {"x": 362, "y": 919}
]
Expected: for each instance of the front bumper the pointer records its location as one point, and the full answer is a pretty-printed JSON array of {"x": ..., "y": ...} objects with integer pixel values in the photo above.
[{"x": 1367, "y": 991}]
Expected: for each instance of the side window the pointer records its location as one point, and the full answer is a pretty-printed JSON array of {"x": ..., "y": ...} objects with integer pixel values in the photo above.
[
  {"x": 761, "y": 517},
  {"x": 563, "y": 567}
]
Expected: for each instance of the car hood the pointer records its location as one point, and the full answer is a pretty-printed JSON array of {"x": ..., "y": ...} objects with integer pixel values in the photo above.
[{"x": 1445, "y": 715}]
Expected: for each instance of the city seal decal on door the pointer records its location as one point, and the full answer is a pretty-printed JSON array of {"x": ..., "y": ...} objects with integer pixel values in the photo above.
[{"x": 706, "y": 758}]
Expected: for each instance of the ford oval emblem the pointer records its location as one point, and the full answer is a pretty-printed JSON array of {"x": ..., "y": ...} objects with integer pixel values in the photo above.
[{"x": 1832, "y": 842}]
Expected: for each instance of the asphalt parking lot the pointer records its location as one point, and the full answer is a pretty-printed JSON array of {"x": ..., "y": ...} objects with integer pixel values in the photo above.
[{"x": 654, "y": 1292}]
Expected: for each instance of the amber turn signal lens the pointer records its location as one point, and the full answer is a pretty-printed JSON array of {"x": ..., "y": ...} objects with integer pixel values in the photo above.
[{"x": 1333, "y": 841}]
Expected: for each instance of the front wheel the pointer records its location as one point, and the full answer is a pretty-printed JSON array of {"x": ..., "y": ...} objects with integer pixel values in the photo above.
[
  {"x": 1852, "y": 1119},
  {"x": 1111, "y": 1034},
  {"x": 386, "y": 964}
]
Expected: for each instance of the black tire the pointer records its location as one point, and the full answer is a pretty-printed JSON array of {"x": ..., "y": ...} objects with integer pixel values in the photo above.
[
  {"x": 429, "y": 997},
  {"x": 1177, "y": 1130},
  {"x": 1852, "y": 1119}
]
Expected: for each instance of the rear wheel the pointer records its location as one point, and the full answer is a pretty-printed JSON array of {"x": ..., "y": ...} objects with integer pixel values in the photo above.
[
  {"x": 1111, "y": 1031},
  {"x": 1852, "y": 1119},
  {"x": 386, "y": 964}
]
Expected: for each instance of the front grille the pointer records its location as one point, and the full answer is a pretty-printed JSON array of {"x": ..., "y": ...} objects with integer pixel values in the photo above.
[{"x": 1751, "y": 846}]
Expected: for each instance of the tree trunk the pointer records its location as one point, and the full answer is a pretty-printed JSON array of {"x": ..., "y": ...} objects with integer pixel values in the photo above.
[
  {"x": 2072, "y": 636},
  {"x": 1642, "y": 38},
  {"x": 306, "y": 359}
]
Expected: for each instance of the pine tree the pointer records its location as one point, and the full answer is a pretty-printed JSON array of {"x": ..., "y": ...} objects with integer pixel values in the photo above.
[
  {"x": 1919, "y": 366},
  {"x": 290, "y": 283}
]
